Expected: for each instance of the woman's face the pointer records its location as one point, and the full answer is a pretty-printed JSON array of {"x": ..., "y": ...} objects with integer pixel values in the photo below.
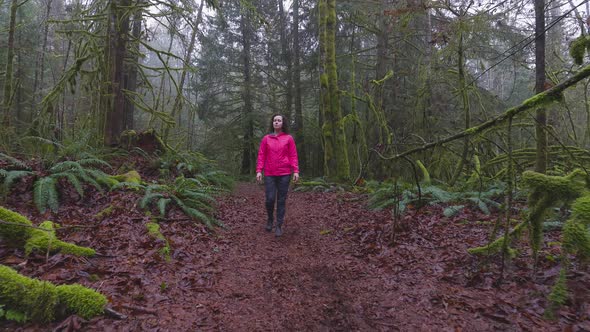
[{"x": 277, "y": 123}]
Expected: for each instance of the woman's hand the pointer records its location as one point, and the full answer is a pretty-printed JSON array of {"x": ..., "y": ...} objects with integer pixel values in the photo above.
[
  {"x": 295, "y": 177},
  {"x": 259, "y": 177}
]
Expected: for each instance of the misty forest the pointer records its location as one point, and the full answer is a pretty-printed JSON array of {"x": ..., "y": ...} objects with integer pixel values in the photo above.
[{"x": 443, "y": 149}]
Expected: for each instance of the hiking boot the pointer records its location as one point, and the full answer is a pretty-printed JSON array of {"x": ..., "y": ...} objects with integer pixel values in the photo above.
[
  {"x": 268, "y": 226},
  {"x": 279, "y": 231}
]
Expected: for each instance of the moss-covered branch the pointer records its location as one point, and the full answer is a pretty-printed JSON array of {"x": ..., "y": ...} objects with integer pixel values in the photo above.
[
  {"x": 41, "y": 301},
  {"x": 18, "y": 230},
  {"x": 555, "y": 93}
]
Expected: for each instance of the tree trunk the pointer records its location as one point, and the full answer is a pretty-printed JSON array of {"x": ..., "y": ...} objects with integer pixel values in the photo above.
[
  {"x": 131, "y": 68},
  {"x": 299, "y": 136},
  {"x": 9, "y": 66},
  {"x": 40, "y": 65},
  {"x": 248, "y": 148},
  {"x": 336, "y": 164},
  {"x": 187, "y": 57},
  {"x": 541, "y": 115},
  {"x": 118, "y": 29},
  {"x": 466, "y": 109},
  {"x": 286, "y": 55}
]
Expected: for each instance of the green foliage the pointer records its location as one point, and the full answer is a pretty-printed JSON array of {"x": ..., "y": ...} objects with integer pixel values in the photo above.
[
  {"x": 81, "y": 301},
  {"x": 44, "y": 238},
  {"x": 154, "y": 231},
  {"x": 578, "y": 49},
  {"x": 191, "y": 195},
  {"x": 425, "y": 175},
  {"x": 76, "y": 173},
  {"x": 558, "y": 295},
  {"x": 20, "y": 228},
  {"x": 384, "y": 197}
]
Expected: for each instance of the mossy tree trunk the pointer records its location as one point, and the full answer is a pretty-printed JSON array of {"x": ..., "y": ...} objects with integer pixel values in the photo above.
[
  {"x": 118, "y": 30},
  {"x": 132, "y": 67},
  {"x": 541, "y": 114},
  {"x": 465, "y": 104},
  {"x": 6, "y": 103},
  {"x": 298, "y": 104},
  {"x": 336, "y": 164},
  {"x": 248, "y": 149}
]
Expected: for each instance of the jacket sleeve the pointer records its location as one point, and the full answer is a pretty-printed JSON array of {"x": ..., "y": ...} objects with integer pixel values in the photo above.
[
  {"x": 261, "y": 155},
  {"x": 293, "y": 159}
]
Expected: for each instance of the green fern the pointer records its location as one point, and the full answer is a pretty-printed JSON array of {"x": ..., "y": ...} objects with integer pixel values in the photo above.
[
  {"x": 14, "y": 162},
  {"x": 10, "y": 177},
  {"x": 45, "y": 194}
]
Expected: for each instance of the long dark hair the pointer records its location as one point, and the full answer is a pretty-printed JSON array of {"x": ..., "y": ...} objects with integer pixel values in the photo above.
[{"x": 271, "y": 129}]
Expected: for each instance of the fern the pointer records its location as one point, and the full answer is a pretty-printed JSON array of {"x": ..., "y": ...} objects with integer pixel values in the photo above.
[
  {"x": 10, "y": 177},
  {"x": 14, "y": 162},
  {"x": 45, "y": 194},
  {"x": 129, "y": 185}
]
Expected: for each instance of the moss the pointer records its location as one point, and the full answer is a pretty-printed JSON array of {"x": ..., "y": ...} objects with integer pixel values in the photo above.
[
  {"x": 578, "y": 49},
  {"x": 558, "y": 295},
  {"x": 560, "y": 188},
  {"x": 40, "y": 301},
  {"x": 81, "y": 301},
  {"x": 581, "y": 208},
  {"x": 34, "y": 298},
  {"x": 154, "y": 231},
  {"x": 425, "y": 174},
  {"x": 496, "y": 246},
  {"x": 576, "y": 239},
  {"x": 105, "y": 212},
  {"x": 131, "y": 176},
  {"x": 45, "y": 239},
  {"x": 14, "y": 232}
]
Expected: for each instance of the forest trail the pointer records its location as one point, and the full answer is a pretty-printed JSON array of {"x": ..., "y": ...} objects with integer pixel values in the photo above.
[{"x": 332, "y": 270}]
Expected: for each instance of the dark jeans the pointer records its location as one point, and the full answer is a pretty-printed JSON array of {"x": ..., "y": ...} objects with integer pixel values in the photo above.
[{"x": 276, "y": 188}]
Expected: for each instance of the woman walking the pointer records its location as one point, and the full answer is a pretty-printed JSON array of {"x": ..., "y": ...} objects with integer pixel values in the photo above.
[{"x": 277, "y": 157}]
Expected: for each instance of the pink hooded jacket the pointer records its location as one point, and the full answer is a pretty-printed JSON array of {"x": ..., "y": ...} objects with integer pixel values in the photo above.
[{"x": 277, "y": 155}]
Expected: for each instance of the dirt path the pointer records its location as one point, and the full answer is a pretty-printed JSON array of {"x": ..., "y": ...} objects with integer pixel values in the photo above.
[{"x": 330, "y": 271}]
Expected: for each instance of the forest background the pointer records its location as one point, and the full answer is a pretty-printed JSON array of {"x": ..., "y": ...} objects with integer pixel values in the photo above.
[{"x": 383, "y": 97}]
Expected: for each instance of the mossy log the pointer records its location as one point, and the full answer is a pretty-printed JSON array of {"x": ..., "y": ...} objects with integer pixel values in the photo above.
[
  {"x": 18, "y": 230},
  {"x": 41, "y": 301},
  {"x": 496, "y": 246},
  {"x": 131, "y": 177}
]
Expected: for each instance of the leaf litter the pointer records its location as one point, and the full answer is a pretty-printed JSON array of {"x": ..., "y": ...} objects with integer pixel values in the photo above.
[{"x": 333, "y": 269}]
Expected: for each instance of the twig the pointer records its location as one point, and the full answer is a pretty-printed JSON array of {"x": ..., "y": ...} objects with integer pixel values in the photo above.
[
  {"x": 139, "y": 309},
  {"x": 112, "y": 313}
]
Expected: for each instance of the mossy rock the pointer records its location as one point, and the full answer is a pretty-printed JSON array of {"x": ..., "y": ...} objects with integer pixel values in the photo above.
[{"x": 41, "y": 301}]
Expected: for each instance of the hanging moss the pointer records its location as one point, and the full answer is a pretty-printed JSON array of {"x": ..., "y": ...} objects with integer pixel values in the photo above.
[
  {"x": 558, "y": 295},
  {"x": 41, "y": 301},
  {"x": 578, "y": 49},
  {"x": 576, "y": 239},
  {"x": 45, "y": 239}
]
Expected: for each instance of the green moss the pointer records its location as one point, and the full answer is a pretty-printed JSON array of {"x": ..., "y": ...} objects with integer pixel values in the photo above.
[
  {"x": 496, "y": 246},
  {"x": 45, "y": 239},
  {"x": 81, "y": 301},
  {"x": 40, "y": 301},
  {"x": 558, "y": 295},
  {"x": 34, "y": 298},
  {"x": 105, "y": 212},
  {"x": 131, "y": 176},
  {"x": 17, "y": 232},
  {"x": 576, "y": 239},
  {"x": 425, "y": 174},
  {"x": 578, "y": 49},
  {"x": 581, "y": 208},
  {"x": 154, "y": 231}
]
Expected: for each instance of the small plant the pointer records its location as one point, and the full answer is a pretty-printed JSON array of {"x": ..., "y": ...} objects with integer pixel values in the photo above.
[
  {"x": 76, "y": 173},
  {"x": 191, "y": 195}
]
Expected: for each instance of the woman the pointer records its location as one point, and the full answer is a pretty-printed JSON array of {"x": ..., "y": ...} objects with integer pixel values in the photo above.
[{"x": 277, "y": 157}]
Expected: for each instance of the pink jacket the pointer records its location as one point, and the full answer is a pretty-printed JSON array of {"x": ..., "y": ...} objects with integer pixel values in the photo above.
[{"x": 277, "y": 155}]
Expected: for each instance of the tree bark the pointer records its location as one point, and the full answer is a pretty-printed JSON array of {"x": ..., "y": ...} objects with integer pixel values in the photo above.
[
  {"x": 40, "y": 65},
  {"x": 286, "y": 55},
  {"x": 299, "y": 136},
  {"x": 541, "y": 114},
  {"x": 336, "y": 163},
  {"x": 248, "y": 147},
  {"x": 131, "y": 68},
  {"x": 118, "y": 30},
  {"x": 6, "y": 104}
]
